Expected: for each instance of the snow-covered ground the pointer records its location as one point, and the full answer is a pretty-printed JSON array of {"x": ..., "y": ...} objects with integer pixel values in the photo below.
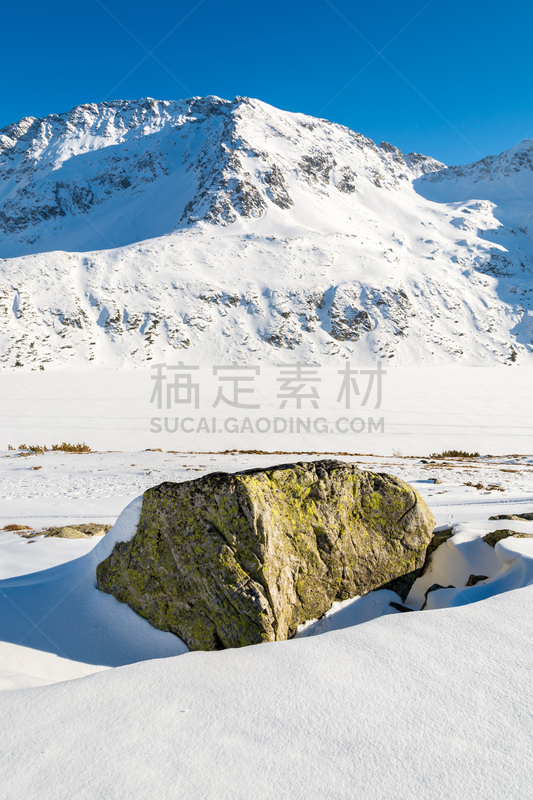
[
  {"x": 367, "y": 702},
  {"x": 97, "y": 486},
  {"x": 424, "y": 410}
]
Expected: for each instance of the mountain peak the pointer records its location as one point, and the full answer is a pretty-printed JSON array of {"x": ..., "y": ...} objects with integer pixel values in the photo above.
[
  {"x": 133, "y": 230},
  {"x": 65, "y": 179}
]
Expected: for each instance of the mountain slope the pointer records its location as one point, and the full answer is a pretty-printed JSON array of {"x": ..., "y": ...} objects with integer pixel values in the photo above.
[
  {"x": 115, "y": 173},
  {"x": 134, "y": 231}
]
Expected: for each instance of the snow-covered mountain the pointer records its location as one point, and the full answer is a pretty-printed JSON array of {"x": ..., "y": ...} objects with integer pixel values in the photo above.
[{"x": 206, "y": 229}]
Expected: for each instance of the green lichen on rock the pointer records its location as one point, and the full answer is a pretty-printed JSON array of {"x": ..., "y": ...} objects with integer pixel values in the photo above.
[{"x": 234, "y": 559}]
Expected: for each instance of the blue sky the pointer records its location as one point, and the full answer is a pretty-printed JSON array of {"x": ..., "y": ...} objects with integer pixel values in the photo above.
[{"x": 449, "y": 78}]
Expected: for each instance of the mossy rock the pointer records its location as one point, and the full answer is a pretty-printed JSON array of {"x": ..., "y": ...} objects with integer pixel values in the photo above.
[{"x": 235, "y": 559}]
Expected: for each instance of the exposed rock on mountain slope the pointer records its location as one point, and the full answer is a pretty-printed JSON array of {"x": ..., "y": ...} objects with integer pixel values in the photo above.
[{"x": 135, "y": 231}]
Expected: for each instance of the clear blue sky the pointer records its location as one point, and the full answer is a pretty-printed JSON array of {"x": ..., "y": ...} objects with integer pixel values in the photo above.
[{"x": 454, "y": 79}]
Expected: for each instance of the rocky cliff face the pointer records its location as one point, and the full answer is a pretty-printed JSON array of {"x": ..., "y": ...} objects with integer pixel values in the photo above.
[{"x": 134, "y": 231}]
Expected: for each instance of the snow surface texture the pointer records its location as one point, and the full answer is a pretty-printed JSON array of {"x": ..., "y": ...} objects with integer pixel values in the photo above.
[
  {"x": 217, "y": 230},
  {"x": 432, "y": 705}
]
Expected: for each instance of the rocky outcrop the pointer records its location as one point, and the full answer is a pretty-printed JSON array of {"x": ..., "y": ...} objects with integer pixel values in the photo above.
[
  {"x": 496, "y": 536},
  {"x": 277, "y": 188},
  {"x": 235, "y": 559},
  {"x": 473, "y": 580},
  {"x": 348, "y": 321},
  {"x": 84, "y": 531}
]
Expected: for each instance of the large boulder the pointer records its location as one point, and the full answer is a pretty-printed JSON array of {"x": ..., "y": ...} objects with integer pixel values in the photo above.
[{"x": 235, "y": 559}]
